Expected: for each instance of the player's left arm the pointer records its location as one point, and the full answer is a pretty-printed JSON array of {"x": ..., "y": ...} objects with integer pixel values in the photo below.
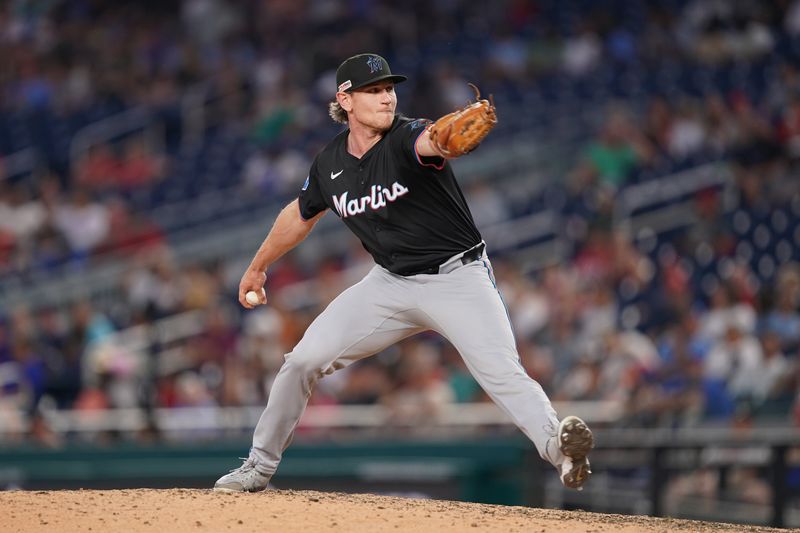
[{"x": 426, "y": 148}]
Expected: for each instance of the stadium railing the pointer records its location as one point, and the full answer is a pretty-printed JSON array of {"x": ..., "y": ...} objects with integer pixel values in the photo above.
[
  {"x": 664, "y": 204},
  {"x": 137, "y": 119},
  {"x": 173, "y": 423},
  {"x": 19, "y": 163}
]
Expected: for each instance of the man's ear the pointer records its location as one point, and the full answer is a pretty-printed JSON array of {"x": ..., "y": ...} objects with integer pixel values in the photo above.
[{"x": 345, "y": 100}]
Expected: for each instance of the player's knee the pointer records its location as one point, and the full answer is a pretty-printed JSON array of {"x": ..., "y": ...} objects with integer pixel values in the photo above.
[
  {"x": 296, "y": 365},
  {"x": 302, "y": 364}
]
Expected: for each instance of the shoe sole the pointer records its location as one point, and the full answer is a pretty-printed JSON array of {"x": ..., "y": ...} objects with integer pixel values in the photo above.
[
  {"x": 228, "y": 491},
  {"x": 218, "y": 488},
  {"x": 580, "y": 473},
  {"x": 576, "y": 440}
]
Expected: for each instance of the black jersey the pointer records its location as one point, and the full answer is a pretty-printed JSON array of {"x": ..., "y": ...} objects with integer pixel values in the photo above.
[{"x": 408, "y": 210}]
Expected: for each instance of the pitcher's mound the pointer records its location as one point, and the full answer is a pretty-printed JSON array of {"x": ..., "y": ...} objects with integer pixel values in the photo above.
[{"x": 184, "y": 510}]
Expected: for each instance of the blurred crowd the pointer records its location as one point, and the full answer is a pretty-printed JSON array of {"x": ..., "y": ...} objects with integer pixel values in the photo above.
[
  {"x": 692, "y": 325},
  {"x": 701, "y": 358}
]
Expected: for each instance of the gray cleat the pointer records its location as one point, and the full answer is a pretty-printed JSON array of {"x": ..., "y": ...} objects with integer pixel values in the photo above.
[
  {"x": 243, "y": 479},
  {"x": 575, "y": 439}
]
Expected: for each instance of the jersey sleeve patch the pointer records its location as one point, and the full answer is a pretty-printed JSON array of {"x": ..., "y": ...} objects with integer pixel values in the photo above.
[
  {"x": 310, "y": 199},
  {"x": 419, "y": 123}
]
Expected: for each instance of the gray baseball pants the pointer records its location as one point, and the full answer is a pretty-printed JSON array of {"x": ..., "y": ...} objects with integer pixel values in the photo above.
[{"x": 461, "y": 303}]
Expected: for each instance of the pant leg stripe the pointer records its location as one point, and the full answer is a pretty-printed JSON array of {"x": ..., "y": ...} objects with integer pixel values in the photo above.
[{"x": 494, "y": 284}]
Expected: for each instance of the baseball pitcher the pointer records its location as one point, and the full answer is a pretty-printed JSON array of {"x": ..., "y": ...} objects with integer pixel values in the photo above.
[{"x": 388, "y": 178}]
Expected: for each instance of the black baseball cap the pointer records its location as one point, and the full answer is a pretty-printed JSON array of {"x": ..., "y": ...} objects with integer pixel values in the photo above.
[{"x": 363, "y": 69}]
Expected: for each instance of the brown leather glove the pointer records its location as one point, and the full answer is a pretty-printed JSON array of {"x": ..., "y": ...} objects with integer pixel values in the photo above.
[{"x": 461, "y": 131}]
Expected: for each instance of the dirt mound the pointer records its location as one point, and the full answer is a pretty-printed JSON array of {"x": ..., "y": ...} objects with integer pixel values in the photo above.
[{"x": 183, "y": 510}]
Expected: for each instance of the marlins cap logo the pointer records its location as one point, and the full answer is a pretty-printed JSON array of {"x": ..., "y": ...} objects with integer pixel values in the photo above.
[{"x": 374, "y": 64}]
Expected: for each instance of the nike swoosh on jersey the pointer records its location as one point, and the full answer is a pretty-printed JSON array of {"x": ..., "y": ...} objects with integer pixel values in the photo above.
[{"x": 336, "y": 175}]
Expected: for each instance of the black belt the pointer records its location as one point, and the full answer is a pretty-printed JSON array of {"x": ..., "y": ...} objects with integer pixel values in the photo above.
[{"x": 473, "y": 254}]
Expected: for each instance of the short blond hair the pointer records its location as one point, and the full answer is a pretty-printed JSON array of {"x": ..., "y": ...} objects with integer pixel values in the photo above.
[{"x": 337, "y": 113}]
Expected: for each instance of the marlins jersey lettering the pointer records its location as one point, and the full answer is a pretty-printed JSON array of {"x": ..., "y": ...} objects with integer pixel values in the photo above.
[{"x": 408, "y": 211}]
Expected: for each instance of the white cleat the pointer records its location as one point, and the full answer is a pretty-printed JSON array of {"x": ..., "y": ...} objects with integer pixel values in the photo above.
[
  {"x": 575, "y": 440},
  {"x": 243, "y": 479}
]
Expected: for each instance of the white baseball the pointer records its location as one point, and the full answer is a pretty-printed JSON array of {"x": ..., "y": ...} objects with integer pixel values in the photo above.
[{"x": 252, "y": 297}]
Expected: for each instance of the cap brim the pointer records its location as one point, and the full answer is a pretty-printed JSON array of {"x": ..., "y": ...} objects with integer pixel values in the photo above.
[{"x": 396, "y": 78}]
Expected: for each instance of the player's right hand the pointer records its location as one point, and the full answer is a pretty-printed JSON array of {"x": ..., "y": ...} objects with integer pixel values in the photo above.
[{"x": 252, "y": 280}]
